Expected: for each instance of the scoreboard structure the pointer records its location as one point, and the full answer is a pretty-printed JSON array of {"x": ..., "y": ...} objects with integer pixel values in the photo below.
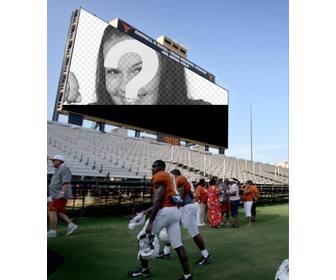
[{"x": 116, "y": 74}]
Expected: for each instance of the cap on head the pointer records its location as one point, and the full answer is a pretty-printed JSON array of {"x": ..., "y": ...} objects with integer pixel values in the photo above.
[
  {"x": 58, "y": 157},
  {"x": 249, "y": 182}
]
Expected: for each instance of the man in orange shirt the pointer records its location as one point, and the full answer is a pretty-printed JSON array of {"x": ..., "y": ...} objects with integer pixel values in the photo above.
[
  {"x": 164, "y": 214},
  {"x": 201, "y": 201},
  {"x": 255, "y": 196},
  {"x": 251, "y": 195},
  {"x": 188, "y": 217}
]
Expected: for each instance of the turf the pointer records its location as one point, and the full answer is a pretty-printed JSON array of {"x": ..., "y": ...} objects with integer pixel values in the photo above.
[{"x": 104, "y": 248}]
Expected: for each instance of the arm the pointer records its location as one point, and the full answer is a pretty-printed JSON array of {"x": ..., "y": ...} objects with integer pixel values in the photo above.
[
  {"x": 247, "y": 190},
  {"x": 64, "y": 189},
  {"x": 158, "y": 197},
  {"x": 181, "y": 191}
]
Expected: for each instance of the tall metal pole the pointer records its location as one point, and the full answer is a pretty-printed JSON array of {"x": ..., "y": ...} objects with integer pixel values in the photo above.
[
  {"x": 251, "y": 140},
  {"x": 251, "y": 131}
]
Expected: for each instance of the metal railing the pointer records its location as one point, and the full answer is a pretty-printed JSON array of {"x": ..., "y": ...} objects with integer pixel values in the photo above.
[{"x": 92, "y": 197}]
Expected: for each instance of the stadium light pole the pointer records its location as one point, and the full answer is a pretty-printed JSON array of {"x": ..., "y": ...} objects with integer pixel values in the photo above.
[{"x": 251, "y": 122}]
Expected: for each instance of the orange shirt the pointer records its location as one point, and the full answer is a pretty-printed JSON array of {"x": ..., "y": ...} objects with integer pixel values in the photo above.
[
  {"x": 253, "y": 193},
  {"x": 167, "y": 180},
  {"x": 201, "y": 194},
  {"x": 247, "y": 196},
  {"x": 182, "y": 181}
]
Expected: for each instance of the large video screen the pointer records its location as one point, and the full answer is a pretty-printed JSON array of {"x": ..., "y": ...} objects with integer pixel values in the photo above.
[{"x": 121, "y": 76}]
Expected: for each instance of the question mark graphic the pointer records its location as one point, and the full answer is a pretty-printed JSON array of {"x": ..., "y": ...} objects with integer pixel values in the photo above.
[{"x": 150, "y": 65}]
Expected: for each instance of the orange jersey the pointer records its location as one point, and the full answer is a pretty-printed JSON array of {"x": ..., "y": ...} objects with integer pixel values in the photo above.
[
  {"x": 167, "y": 180},
  {"x": 182, "y": 181},
  {"x": 201, "y": 194}
]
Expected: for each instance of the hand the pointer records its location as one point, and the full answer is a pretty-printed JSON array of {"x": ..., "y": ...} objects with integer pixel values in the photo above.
[
  {"x": 72, "y": 94},
  {"x": 61, "y": 195},
  {"x": 149, "y": 228}
]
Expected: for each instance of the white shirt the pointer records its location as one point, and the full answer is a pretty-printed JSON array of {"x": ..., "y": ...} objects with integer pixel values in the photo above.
[{"x": 234, "y": 188}]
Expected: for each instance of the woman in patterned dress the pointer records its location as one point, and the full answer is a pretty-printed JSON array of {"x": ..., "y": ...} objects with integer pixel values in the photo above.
[{"x": 214, "y": 207}]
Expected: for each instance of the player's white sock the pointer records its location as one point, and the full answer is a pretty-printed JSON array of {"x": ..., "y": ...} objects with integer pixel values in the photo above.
[
  {"x": 205, "y": 253},
  {"x": 186, "y": 276},
  {"x": 166, "y": 250}
]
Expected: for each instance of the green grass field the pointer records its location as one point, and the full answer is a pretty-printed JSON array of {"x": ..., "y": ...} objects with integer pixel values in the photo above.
[{"x": 104, "y": 248}]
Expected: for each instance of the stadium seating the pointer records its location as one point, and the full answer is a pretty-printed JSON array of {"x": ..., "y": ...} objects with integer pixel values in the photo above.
[{"x": 90, "y": 153}]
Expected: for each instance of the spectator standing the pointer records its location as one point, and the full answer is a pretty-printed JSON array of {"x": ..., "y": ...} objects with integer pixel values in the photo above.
[
  {"x": 234, "y": 202},
  {"x": 255, "y": 196},
  {"x": 214, "y": 208},
  {"x": 201, "y": 201},
  {"x": 60, "y": 192},
  {"x": 248, "y": 200},
  {"x": 225, "y": 200}
]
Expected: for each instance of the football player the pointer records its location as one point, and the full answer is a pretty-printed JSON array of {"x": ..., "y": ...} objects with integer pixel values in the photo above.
[
  {"x": 188, "y": 219},
  {"x": 164, "y": 214}
]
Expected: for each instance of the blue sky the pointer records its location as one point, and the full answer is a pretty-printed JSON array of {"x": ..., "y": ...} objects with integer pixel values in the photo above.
[{"x": 243, "y": 43}]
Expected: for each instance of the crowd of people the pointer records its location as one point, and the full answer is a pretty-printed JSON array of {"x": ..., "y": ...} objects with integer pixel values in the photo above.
[
  {"x": 175, "y": 202},
  {"x": 222, "y": 199}
]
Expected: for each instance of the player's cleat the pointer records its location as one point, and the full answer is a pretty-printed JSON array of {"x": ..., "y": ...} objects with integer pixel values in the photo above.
[
  {"x": 203, "y": 261},
  {"x": 52, "y": 233},
  {"x": 71, "y": 229},
  {"x": 162, "y": 255},
  {"x": 190, "y": 277},
  {"x": 139, "y": 272}
]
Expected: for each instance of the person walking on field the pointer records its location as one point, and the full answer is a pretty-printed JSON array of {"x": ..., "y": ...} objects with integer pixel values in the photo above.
[
  {"x": 60, "y": 192},
  {"x": 188, "y": 218}
]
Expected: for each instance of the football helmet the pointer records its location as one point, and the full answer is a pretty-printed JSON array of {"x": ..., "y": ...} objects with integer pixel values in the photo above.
[
  {"x": 283, "y": 271},
  {"x": 149, "y": 246}
]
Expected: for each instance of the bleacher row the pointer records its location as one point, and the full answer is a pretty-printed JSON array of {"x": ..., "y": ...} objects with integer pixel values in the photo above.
[{"x": 90, "y": 153}]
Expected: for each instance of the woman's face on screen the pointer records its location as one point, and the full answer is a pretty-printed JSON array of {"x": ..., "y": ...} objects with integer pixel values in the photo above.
[{"x": 129, "y": 66}]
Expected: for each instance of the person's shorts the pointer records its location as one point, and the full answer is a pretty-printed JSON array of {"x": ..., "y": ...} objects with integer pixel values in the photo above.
[
  {"x": 225, "y": 206},
  {"x": 169, "y": 218},
  {"x": 234, "y": 207},
  {"x": 57, "y": 205},
  {"x": 188, "y": 219}
]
